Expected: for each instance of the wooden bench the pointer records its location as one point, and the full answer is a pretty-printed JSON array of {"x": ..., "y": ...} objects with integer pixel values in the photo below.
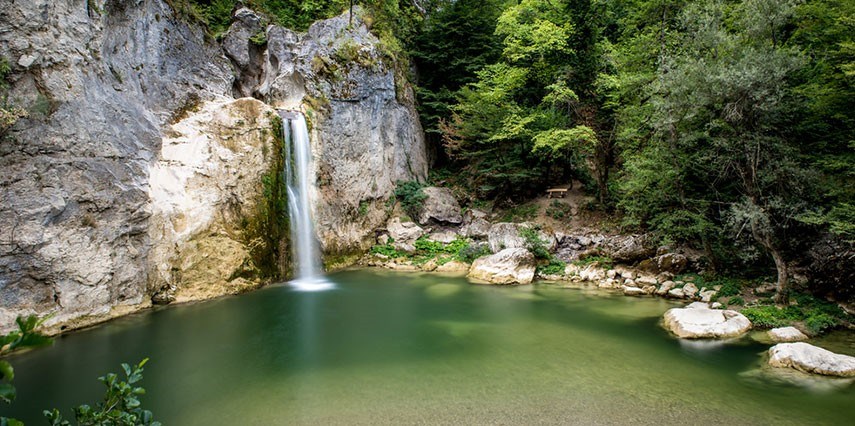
[{"x": 556, "y": 192}]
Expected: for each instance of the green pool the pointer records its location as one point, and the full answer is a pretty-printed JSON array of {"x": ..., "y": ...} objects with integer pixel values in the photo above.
[{"x": 393, "y": 348}]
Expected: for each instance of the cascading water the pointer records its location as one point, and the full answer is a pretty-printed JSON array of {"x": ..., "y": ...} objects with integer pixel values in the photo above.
[{"x": 298, "y": 157}]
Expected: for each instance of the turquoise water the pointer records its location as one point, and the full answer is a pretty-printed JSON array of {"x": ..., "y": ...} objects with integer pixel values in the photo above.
[{"x": 395, "y": 348}]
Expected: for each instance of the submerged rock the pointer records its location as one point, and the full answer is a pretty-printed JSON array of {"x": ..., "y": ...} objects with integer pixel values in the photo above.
[
  {"x": 698, "y": 321},
  {"x": 786, "y": 334},
  {"x": 811, "y": 359},
  {"x": 509, "y": 266}
]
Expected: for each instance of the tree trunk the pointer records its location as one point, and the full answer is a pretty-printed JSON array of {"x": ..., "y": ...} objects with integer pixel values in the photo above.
[{"x": 782, "y": 294}]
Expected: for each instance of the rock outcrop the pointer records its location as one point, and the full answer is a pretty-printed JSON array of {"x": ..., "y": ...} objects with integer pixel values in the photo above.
[
  {"x": 698, "y": 321},
  {"x": 204, "y": 191},
  {"x": 506, "y": 235},
  {"x": 364, "y": 127},
  {"x": 101, "y": 85},
  {"x": 808, "y": 358},
  {"x": 404, "y": 234},
  {"x": 116, "y": 87},
  {"x": 509, "y": 266},
  {"x": 439, "y": 206}
]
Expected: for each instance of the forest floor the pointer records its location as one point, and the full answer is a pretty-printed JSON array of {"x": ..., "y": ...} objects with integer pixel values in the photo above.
[{"x": 575, "y": 211}]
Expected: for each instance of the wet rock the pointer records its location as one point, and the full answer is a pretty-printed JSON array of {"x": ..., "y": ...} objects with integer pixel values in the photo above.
[
  {"x": 648, "y": 289},
  {"x": 509, "y": 266},
  {"x": 440, "y": 206},
  {"x": 698, "y": 321},
  {"x": 811, "y": 359},
  {"x": 453, "y": 266},
  {"x": 633, "y": 291},
  {"x": 786, "y": 334}
]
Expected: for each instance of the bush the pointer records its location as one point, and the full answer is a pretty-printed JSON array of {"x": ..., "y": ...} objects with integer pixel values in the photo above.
[
  {"x": 121, "y": 405},
  {"x": 766, "y": 316},
  {"x": 818, "y": 323},
  {"x": 604, "y": 261},
  {"x": 554, "y": 267},
  {"x": 534, "y": 243},
  {"x": 386, "y": 250},
  {"x": 520, "y": 213},
  {"x": 729, "y": 287},
  {"x": 558, "y": 210},
  {"x": 470, "y": 252},
  {"x": 410, "y": 195},
  {"x": 738, "y": 300}
]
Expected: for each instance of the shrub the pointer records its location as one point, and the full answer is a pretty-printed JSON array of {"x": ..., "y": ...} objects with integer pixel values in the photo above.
[
  {"x": 520, "y": 213},
  {"x": 766, "y": 316},
  {"x": 554, "y": 267},
  {"x": 818, "y": 323},
  {"x": 410, "y": 195},
  {"x": 729, "y": 287},
  {"x": 470, "y": 252},
  {"x": 386, "y": 250},
  {"x": 558, "y": 210},
  {"x": 534, "y": 243},
  {"x": 738, "y": 300},
  {"x": 604, "y": 261},
  {"x": 121, "y": 405}
]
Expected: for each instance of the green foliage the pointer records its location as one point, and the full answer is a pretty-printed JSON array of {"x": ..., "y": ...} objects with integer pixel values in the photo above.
[
  {"x": 818, "y": 323},
  {"x": 520, "y": 213},
  {"x": 25, "y": 336},
  {"x": 410, "y": 195},
  {"x": 259, "y": 39},
  {"x": 386, "y": 250},
  {"x": 554, "y": 267},
  {"x": 604, "y": 261},
  {"x": 469, "y": 252},
  {"x": 121, "y": 405},
  {"x": 767, "y": 316},
  {"x": 736, "y": 300},
  {"x": 363, "y": 208},
  {"x": 558, "y": 210},
  {"x": 533, "y": 242},
  {"x": 729, "y": 287}
]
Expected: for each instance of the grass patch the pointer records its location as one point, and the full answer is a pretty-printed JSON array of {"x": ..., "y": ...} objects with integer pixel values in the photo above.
[
  {"x": 554, "y": 267},
  {"x": 558, "y": 210}
]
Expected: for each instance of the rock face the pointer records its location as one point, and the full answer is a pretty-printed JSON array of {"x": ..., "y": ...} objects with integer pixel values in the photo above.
[
  {"x": 204, "y": 185},
  {"x": 404, "y": 234},
  {"x": 74, "y": 214},
  {"x": 439, "y": 206},
  {"x": 698, "y": 321},
  {"x": 811, "y": 359},
  {"x": 507, "y": 235},
  {"x": 786, "y": 334},
  {"x": 110, "y": 86},
  {"x": 509, "y": 266},
  {"x": 364, "y": 127}
]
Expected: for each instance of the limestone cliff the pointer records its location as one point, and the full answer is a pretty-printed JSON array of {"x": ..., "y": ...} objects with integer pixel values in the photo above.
[{"x": 139, "y": 171}]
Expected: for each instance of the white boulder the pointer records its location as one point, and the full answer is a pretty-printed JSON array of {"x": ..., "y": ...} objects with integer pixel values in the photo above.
[
  {"x": 808, "y": 358},
  {"x": 509, "y": 266},
  {"x": 698, "y": 321},
  {"x": 786, "y": 334}
]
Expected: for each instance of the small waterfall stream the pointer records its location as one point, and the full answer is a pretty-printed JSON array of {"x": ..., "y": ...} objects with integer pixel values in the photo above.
[{"x": 298, "y": 157}]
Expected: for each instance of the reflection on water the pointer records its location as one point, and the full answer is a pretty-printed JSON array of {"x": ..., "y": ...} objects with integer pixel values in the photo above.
[{"x": 390, "y": 348}]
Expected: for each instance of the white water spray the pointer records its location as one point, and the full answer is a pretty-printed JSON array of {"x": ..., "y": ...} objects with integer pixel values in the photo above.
[{"x": 305, "y": 249}]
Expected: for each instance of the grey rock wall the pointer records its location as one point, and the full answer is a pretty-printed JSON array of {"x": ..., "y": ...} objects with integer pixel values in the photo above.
[
  {"x": 104, "y": 86},
  {"x": 100, "y": 84}
]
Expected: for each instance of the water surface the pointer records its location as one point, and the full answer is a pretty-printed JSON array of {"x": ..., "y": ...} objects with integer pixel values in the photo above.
[{"x": 406, "y": 348}]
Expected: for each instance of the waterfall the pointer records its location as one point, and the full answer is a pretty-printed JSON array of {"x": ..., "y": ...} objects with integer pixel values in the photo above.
[{"x": 298, "y": 159}]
